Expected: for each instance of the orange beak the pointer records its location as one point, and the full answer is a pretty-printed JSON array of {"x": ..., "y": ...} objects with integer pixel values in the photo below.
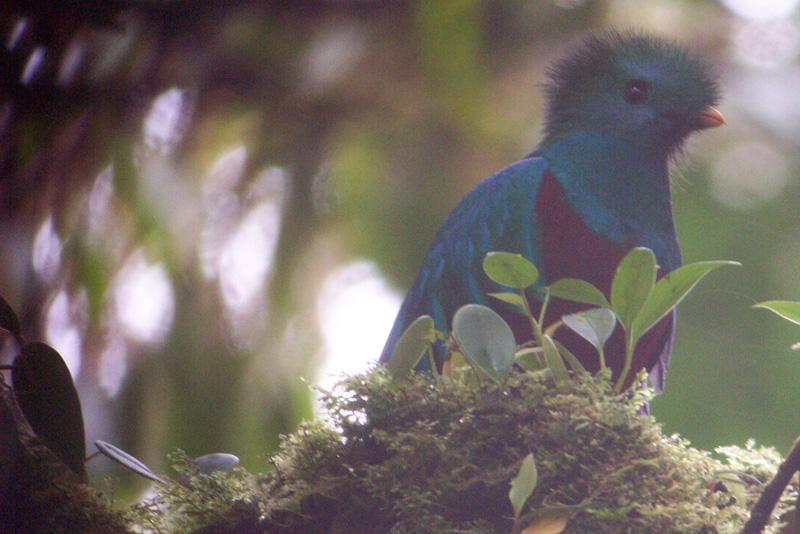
[{"x": 709, "y": 117}]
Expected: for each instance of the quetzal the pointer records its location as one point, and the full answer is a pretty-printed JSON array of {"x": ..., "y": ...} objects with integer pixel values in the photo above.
[{"x": 619, "y": 107}]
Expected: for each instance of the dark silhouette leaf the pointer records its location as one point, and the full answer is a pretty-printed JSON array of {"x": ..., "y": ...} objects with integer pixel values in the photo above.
[
  {"x": 9, "y": 320},
  {"x": 47, "y": 396}
]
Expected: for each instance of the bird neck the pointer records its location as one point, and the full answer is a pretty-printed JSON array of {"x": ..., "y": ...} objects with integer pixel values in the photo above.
[{"x": 620, "y": 190}]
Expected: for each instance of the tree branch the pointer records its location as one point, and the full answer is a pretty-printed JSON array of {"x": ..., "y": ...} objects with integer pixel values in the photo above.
[{"x": 773, "y": 491}]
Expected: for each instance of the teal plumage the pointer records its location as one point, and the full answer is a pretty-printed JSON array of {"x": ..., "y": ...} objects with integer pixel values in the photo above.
[{"x": 619, "y": 107}]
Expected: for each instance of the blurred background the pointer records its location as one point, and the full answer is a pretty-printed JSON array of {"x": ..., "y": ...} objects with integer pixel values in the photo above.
[{"x": 208, "y": 206}]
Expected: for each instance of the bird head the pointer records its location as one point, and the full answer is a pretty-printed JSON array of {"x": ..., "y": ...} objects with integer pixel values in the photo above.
[{"x": 632, "y": 88}]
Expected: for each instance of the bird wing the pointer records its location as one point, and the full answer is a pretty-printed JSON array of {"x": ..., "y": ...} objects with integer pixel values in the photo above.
[{"x": 498, "y": 215}]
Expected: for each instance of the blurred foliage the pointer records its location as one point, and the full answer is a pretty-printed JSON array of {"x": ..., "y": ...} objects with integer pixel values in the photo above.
[{"x": 143, "y": 137}]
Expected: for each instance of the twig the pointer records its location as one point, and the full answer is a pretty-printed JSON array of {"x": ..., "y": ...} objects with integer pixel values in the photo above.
[{"x": 773, "y": 491}]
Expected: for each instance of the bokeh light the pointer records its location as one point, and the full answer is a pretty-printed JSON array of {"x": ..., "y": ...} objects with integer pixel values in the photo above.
[
  {"x": 356, "y": 308},
  {"x": 762, "y": 9},
  {"x": 143, "y": 300},
  {"x": 748, "y": 174},
  {"x": 65, "y": 324}
]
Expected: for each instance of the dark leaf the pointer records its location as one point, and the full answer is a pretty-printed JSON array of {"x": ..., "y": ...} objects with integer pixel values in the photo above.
[
  {"x": 47, "y": 396},
  {"x": 9, "y": 321}
]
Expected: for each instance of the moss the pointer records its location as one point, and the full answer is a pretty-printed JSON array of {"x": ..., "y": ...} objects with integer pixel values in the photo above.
[
  {"x": 201, "y": 503},
  {"x": 45, "y": 496},
  {"x": 434, "y": 456}
]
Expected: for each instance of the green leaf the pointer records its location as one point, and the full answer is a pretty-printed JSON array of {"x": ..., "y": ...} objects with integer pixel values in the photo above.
[
  {"x": 523, "y": 484},
  {"x": 511, "y": 270},
  {"x": 529, "y": 358},
  {"x": 554, "y": 361},
  {"x": 633, "y": 281},
  {"x": 485, "y": 339},
  {"x": 786, "y": 309},
  {"x": 410, "y": 347},
  {"x": 595, "y": 325},
  {"x": 669, "y": 291},
  {"x": 573, "y": 362},
  {"x": 578, "y": 290},
  {"x": 511, "y": 298}
]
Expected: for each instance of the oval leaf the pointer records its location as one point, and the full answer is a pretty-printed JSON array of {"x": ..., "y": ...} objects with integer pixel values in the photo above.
[
  {"x": 217, "y": 461},
  {"x": 47, "y": 396},
  {"x": 523, "y": 484},
  {"x": 485, "y": 339},
  {"x": 595, "y": 325},
  {"x": 410, "y": 347},
  {"x": 550, "y": 521},
  {"x": 788, "y": 310},
  {"x": 511, "y": 270},
  {"x": 633, "y": 281},
  {"x": 578, "y": 290},
  {"x": 511, "y": 298},
  {"x": 669, "y": 291},
  {"x": 127, "y": 461}
]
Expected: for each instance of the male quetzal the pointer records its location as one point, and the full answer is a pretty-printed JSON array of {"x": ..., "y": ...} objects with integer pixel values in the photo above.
[{"x": 619, "y": 107}]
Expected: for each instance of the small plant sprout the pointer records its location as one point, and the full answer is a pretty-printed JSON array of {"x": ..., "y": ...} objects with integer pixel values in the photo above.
[
  {"x": 523, "y": 485},
  {"x": 638, "y": 300},
  {"x": 516, "y": 272}
]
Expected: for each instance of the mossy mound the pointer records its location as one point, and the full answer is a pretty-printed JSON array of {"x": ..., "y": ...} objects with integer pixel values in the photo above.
[
  {"x": 425, "y": 455},
  {"x": 421, "y": 455},
  {"x": 436, "y": 455}
]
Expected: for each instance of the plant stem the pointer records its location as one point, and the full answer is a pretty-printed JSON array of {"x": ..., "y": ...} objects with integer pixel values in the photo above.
[{"x": 629, "y": 346}]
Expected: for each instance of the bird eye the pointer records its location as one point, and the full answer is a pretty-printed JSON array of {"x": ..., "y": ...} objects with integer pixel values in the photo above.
[{"x": 635, "y": 92}]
